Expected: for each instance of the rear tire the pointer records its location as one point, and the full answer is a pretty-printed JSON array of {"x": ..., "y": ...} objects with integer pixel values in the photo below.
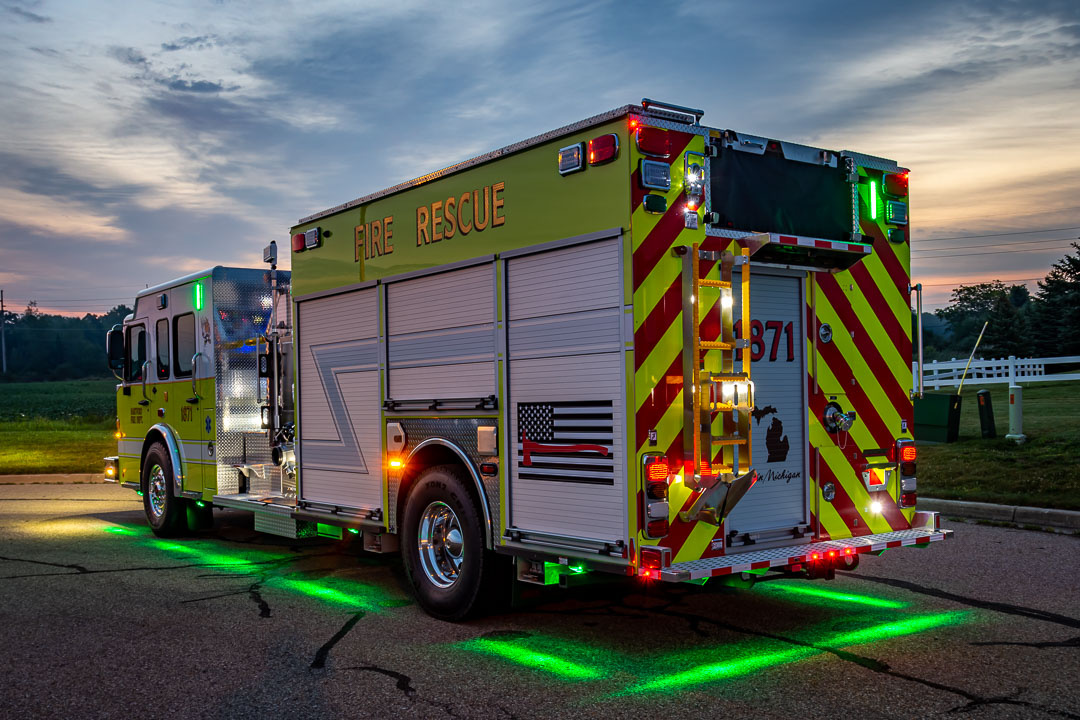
[
  {"x": 165, "y": 513},
  {"x": 443, "y": 544}
]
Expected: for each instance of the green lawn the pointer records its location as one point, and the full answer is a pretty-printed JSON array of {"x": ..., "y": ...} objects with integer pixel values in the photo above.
[
  {"x": 1043, "y": 472},
  {"x": 54, "y": 446},
  {"x": 56, "y": 427}
]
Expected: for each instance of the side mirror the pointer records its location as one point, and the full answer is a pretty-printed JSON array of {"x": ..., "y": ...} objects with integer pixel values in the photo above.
[{"x": 114, "y": 347}]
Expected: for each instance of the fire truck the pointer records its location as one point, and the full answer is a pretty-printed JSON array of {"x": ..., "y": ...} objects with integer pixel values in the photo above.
[{"x": 634, "y": 345}]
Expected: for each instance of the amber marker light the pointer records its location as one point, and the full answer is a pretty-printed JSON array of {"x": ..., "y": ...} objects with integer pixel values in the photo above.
[{"x": 396, "y": 464}]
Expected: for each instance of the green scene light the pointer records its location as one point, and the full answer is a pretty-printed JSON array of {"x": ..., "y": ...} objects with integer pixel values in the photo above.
[
  {"x": 198, "y": 295},
  {"x": 118, "y": 530},
  {"x": 820, "y": 593},
  {"x": 873, "y": 199},
  {"x": 517, "y": 653},
  {"x": 354, "y": 531},
  {"x": 200, "y": 503},
  {"x": 728, "y": 669}
]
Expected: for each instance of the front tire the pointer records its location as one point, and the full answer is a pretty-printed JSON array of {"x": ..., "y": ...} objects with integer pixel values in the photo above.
[
  {"x": 443, "y": 543},
  {"x": 164, "y": 512}
]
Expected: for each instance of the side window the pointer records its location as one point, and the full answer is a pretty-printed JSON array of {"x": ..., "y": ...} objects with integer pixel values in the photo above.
[
  {"x": 136, "y": 353},
  {"x": 161, "y": 343},
  {"x": 184, "y": 344}
]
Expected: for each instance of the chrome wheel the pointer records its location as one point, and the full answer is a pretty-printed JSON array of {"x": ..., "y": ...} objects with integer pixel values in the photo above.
[
  {"x": 441, "y": 546},
  {"x": 157, "y": 490}
]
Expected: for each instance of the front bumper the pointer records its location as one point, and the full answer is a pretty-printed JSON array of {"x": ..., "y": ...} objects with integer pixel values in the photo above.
[{"x": 799, "y": 554}]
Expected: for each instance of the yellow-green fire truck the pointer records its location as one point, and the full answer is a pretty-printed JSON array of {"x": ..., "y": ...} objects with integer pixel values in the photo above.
[{"x": 634, "y": 345}]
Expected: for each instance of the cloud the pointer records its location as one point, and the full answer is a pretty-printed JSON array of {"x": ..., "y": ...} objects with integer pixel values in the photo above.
[
  {"x": 28, "y": 16},
  {"x": 198, "y": 86},
  {"x": 49, "y": 215},
  {"x": 199, "y": 43}
]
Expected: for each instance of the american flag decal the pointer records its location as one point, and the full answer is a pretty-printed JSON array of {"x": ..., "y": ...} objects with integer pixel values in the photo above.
[{"x": 566, "y": 442}]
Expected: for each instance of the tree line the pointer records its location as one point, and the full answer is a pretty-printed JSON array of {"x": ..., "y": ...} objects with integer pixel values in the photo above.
[
  {"x": 55, "y": 347},
  {"x": 1046, "y": 324}
]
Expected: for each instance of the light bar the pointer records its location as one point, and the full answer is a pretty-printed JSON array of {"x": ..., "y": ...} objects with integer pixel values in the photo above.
[{"x": 873, "y": 199}]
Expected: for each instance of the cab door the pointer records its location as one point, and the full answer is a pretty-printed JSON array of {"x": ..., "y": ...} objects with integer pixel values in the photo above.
[{"x": 189, "y": 389}]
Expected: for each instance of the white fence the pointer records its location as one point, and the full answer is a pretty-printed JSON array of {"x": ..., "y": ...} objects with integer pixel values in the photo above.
[{"x": 984, "y": 372}]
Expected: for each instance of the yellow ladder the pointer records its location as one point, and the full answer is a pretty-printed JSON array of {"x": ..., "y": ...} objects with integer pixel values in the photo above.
[{"x": 722, "y": 390}]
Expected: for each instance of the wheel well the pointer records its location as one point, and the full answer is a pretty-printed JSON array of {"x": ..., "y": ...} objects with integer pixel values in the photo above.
[
  {"x": 431, "y": 456},
  {"x": 154, "y": 436}
]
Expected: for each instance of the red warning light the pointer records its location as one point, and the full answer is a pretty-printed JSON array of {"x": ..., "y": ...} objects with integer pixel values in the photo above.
[
  {"x": 908, "y": 453},
  {"x": 603, "y": 149},
  {"x": 895, "y": 184},
  {"x": 653, "y": 141},
  {"x": 298, "y": 242}
]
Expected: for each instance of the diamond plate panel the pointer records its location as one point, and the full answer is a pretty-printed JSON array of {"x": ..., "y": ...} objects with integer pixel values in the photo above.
[
  {"x": 460, "y": 432},
  {"x": 241, "y": 301},
  {"x": 775, "y": 557}
]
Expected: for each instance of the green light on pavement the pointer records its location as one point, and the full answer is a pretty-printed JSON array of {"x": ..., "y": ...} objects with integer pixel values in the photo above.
[
  {"x": 518, "y": 653},
  {"x": 117, "y": 530},
  {"x": 353, "y": 595},
  {"x": 713, "y": 672},
  {"x": 811, "y": 591}
]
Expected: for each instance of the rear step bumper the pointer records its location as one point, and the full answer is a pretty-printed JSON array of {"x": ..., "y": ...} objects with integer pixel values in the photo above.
[{"x": 790, "y": 555}]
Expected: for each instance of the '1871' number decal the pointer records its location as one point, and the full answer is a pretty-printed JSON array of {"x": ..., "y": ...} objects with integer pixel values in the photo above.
[{"x": 758, "y": 341}]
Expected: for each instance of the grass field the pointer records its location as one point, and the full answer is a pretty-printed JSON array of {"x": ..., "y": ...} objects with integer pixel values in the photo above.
[
  {"x": 56, "y": 427},
  {"x": 1043, "y": 472},
  {"x": 66, "y": 427}
]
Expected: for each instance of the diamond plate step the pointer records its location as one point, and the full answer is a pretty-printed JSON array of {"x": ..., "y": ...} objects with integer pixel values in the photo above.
[{"x": 778, "y": 557}]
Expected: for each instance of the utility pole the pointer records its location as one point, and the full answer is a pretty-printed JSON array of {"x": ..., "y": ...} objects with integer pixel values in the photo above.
[{"x": 3, "y": 344}]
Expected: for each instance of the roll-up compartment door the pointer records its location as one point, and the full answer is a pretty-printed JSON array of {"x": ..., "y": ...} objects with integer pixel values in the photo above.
[
  {"x": 339, "y": 450},
  {"x": 441, "y": 335},
  {"x": 779, "y": 498},
  {"x": 566, "y": 381}
]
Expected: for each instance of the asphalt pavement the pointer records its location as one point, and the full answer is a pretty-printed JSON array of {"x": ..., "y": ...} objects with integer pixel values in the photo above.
[{"x": 98, "y": 618}]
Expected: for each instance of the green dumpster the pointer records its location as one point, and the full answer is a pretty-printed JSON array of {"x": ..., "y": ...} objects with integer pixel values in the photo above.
[{"x": 937, "y": 417}]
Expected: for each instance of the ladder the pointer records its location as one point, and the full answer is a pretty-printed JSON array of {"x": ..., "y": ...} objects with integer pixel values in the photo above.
[{"x": 716, "y": 388}]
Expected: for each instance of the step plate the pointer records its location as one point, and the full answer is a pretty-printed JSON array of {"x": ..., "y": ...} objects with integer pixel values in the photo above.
[{"x": 781, "y": 556}]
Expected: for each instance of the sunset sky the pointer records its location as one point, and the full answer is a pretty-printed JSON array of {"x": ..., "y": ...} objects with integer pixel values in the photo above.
[{"x": 143, "y": 140}]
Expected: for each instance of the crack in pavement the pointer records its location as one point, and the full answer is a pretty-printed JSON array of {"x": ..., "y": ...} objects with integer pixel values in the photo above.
[
  {"x": 1006, "y": 608},
  {"x": 77, "y": 568},
  {"x": 404, "y": 682},
  {"x": 320, "y": 655},
  {"x": 1071, "y": 642}
]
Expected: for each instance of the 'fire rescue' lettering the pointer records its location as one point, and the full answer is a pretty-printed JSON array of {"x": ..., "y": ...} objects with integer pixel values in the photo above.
[
  {"x": 476, "y": 210},
  {"x": 373, "y": 238}
]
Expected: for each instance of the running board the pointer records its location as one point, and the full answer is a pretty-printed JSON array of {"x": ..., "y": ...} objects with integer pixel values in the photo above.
[
  {"x": 783, "y": 556},
  {"x": 279, "y": 515}
]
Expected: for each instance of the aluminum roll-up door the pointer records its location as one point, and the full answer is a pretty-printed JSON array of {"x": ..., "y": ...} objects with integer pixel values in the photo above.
[
  {"x": 566, "y": 381},
  {"x": 778, "y": 499},
  {"x": 441, "y": 335},
  {"x": 339, "y": 451}
]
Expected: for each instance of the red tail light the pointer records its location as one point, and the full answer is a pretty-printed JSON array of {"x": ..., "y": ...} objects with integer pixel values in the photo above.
[
  {"x": 658, "y": 528},
  {"x": 298, "y": 242},
  {"x": 653, "y": 141},
  {"x": 908, "y": 453},
  {"x": 655, "y": 558},
  {"x": 658, "y": 470},
  {"x": 908, "y": 499},
  {"x": 603, "y": 149},
  {"x": 895, "y": 184},
  {"x": 657, "y": 490}
]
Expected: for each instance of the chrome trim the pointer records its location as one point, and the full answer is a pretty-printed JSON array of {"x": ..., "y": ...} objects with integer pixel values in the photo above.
[
  {"x": 137, "y": 487},
  {"x": 195, "y": 375},
  {"x": 174, "y": 454},
  {"x": 157, "y": 491},
  {"x": 488, "y": 530},
  {"x": 178, "y": 281},
  {"x": 918, "y": 320},
  {"x": 441, "y": 545},
  {"x": 646, "y": 103}
]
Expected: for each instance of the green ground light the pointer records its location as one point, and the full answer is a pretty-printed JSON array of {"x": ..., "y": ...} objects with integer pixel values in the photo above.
[
  {"x": 120, "y": 530},
  {"x": 826, "y": 596},
  {"x": 517, "y": 652},
  {"x": 729, "y": 669},
  {"x": 353, "y": 595}
]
